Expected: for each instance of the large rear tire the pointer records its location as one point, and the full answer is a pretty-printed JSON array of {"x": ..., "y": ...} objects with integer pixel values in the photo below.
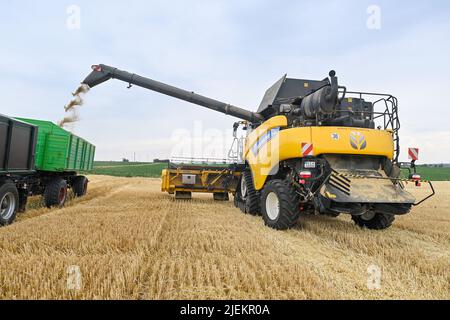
[
  {"x": 280, "y": 205},
  {"x": 374, "y": 220},
  {"x": 80, "y": 186},
  {"x": 55, "y": 194},
  {"x": 9, "y": 203}
]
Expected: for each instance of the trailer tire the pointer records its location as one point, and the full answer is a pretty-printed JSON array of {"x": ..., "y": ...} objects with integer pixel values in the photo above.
[
  {"x": 80, "y": 185},
  {"x": 280, "y": 205},
  {"x": 55, "y": 194},
  {"x": 377, "y": 221},
  {"x": 9, "y": 203}
]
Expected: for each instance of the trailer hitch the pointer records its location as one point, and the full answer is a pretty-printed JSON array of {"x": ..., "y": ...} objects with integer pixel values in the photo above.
[
  {"x": 395, "y": 180},
  {"x": 429, "y": 196}
]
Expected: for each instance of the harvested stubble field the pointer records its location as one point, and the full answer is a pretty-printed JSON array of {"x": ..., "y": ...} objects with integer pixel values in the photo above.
[{"x": 132, "y": 242}]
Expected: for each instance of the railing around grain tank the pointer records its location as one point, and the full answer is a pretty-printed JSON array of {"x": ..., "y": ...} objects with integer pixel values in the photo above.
[{"x": 387, "y": 118}]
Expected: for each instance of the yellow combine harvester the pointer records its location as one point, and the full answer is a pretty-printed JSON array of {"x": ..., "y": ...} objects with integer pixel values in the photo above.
[{"x": 311, "y": 147}]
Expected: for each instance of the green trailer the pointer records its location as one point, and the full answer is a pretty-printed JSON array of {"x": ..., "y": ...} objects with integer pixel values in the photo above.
[
  {"x": 39, "y": 158},
  {"x": 58, "y": 150}
]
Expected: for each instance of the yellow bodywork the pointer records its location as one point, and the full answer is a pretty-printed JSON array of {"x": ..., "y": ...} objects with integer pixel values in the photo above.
[{"x": 273, "y": 142}]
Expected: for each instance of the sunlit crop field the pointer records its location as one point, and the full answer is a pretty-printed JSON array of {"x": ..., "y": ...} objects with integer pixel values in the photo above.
[
  {"x": 434, "y": 173},
  {"x": 130, "y": 241},
  {"x": 130, "y": 169}
]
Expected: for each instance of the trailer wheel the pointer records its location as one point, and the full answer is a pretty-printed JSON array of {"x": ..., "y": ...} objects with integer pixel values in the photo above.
[
  {"x": 9, "y": 203},
  {"x": 374, "y": 220},
  {"x": 247, "y": 194},
  {"x": 55, "y": 194},
  {"x": 80, "y": 185},
  {"x": 280, "y": 205}
]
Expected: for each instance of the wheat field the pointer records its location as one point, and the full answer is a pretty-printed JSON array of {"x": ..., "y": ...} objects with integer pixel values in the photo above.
[{"x": 130, "y": 241}]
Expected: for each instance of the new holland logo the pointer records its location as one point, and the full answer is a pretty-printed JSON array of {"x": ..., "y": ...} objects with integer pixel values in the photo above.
[{"x": 357, "y": 140}]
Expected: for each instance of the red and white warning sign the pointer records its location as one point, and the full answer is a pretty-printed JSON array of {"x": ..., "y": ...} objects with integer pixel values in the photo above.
[
  {"x": 307, "y": 149},
  {"x": 413, "y": 153}
]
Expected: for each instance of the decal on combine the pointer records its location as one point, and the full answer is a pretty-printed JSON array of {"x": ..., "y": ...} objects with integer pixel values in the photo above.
[
  {"x": 357, "y": 140},
  {"x": 413, "y": 153},
  {"x": 264, "y": 139},
  {"x": 307, "y": 149}
]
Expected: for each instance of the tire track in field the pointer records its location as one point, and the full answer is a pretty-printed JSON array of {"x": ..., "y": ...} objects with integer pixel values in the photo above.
[
  {"x": 95, "y": 194},
  {"x": 213, "y": 268},
  {"x": 391, "y": 250},
  {"x": 158, "y": 270},
  {"x": 398, "y": 239}
]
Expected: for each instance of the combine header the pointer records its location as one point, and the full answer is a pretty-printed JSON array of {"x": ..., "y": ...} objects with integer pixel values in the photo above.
[
  {"x": 183, "y": 179},
  {"x": 312, "y": 147}
]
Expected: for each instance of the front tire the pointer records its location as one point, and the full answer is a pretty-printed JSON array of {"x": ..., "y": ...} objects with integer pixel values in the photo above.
[
  {"x": 374, "y": 220},
  {"x": 9, "y": 203},
  {"x": 246, "y": 197},
  {"x": 55, "y": 194},
  {"x": 280, "y": 205}
]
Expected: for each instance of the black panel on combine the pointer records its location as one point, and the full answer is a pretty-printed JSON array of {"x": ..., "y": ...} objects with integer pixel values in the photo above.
[
  {"x": 17, "y": 145},
  {"x": 354, "y": 112},
  {"x": 286, "y": 88}
]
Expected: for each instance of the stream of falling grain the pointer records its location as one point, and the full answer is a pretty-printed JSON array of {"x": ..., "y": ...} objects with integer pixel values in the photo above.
[{"x": 72, "y": 106}]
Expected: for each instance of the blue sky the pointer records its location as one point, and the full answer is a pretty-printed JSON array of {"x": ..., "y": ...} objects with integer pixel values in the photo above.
[{"x": 228, "y": 50}]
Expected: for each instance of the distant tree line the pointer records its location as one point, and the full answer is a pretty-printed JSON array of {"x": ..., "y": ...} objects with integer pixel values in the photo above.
[
  {"x": 161, "y": 161},
  {"x": 437, "y": 165}
]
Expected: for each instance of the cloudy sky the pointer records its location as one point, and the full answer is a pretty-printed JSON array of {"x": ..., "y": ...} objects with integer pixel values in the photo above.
[{"x": 228, "y": 50}]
